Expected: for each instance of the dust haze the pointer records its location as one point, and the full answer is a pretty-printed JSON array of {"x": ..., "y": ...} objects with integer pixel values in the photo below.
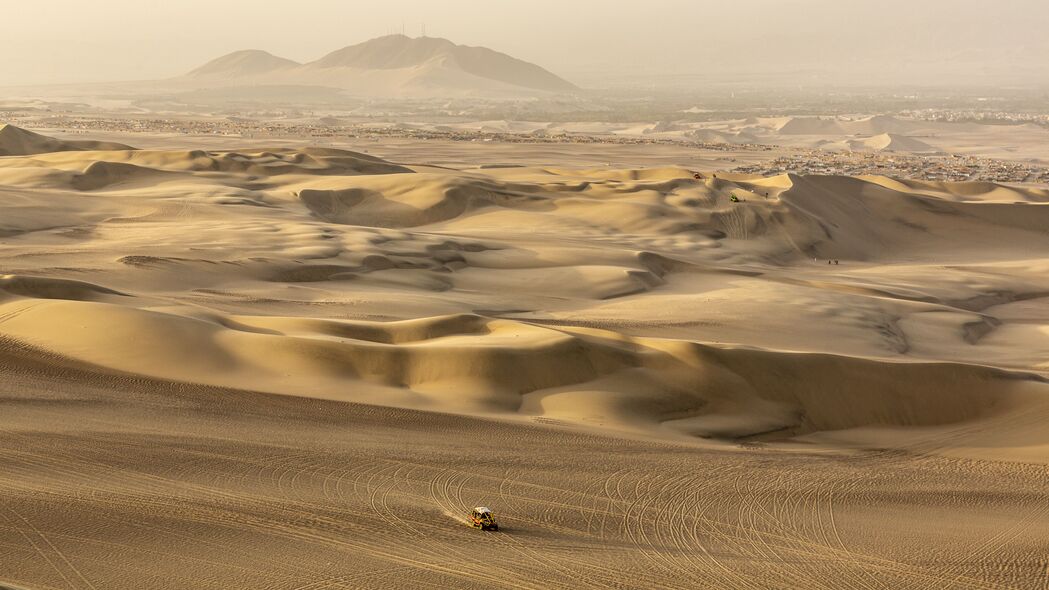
[
  {"x": 932, "y": 42},
  {"x": 688, "y": 294}
]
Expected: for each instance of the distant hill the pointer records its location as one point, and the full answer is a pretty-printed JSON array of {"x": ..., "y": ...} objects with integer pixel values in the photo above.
[
  {"x": 250, "y": 62},
  {"x": 391, "y": 66},
  {"x": 15, "y": 141}
]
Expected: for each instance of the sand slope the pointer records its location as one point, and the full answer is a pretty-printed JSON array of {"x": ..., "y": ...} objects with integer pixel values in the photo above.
[
  {"x": 118, "y": 481},
  {"x": 299, "y": 367},
  {"x": 15, "y": 141},
  {"x": 469, "y": 363},
  {"x": 891, "y": 142},
  {"x": 555, "y": 253}
]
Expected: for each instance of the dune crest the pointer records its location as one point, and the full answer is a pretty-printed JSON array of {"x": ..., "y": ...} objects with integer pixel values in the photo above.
[
  {"x": 891, "y": 142},
  {"x": 299, "y": 367},
  {"x": 476, "y": 364},
  {"x": 15, "y": 141},
  {"x": 608, "y": 297}
]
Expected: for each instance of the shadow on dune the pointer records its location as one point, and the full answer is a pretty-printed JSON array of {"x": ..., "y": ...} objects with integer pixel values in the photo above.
[
  {"x": 423, "y": 201},
  {"x": 468, "y": 363}
]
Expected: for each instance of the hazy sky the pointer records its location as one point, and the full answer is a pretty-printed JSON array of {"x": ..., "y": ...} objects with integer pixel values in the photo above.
[{"x": 58, "y": 41}]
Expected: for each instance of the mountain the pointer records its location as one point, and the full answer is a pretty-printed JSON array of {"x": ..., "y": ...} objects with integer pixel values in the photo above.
[
  {"x": 399, "y": 51},
  {"x": 15, "y": 141},
  {"x": 391, "y": 66},
  {"x": 250, "y": 62}
]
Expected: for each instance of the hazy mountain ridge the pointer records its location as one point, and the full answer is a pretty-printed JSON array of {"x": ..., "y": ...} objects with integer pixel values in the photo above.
[
  {"x": 394, "y": 65},
  {"x": 243, "y": 63}
]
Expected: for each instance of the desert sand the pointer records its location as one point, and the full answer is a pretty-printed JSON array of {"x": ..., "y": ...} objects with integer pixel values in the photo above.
[
  {"x": 300, "y": 367},
  {"x": 858, "y": 133}
]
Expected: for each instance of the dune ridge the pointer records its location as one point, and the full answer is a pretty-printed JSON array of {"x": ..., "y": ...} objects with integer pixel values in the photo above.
[
  {"x": 472, "y": 363},
  {"x": 575, "y": 249},
  {"x": 15, "y": 141},
  {"x": 236, "y": 366},
  {"x": 891, "y": 142},
  {"x": 632, "y": 299}
]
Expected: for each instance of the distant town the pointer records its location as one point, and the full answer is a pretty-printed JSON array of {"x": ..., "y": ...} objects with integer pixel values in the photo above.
[
  {"x": 951, "y": 168},
  {"x": 939, "y": 167}
]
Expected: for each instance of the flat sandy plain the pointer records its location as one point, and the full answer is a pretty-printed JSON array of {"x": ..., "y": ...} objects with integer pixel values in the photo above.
[{"x": 233, "y": 366}]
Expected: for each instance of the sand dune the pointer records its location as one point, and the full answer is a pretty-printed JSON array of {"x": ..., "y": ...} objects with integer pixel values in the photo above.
[
  {"x": 870, "y": 126},
  {"x": 274, "y": 348},
  {"x": 15, "y": 141},
  {"x": 471, "y": 363},
  {"x": 325, "y": 223},
  {"x": 879, "y": 133},
  {"x": 237, "y": 489},
  {"x": 811, "y": 126},
  {"x": 712, "y": 136},
  {"x": 891, "y": 142}
]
